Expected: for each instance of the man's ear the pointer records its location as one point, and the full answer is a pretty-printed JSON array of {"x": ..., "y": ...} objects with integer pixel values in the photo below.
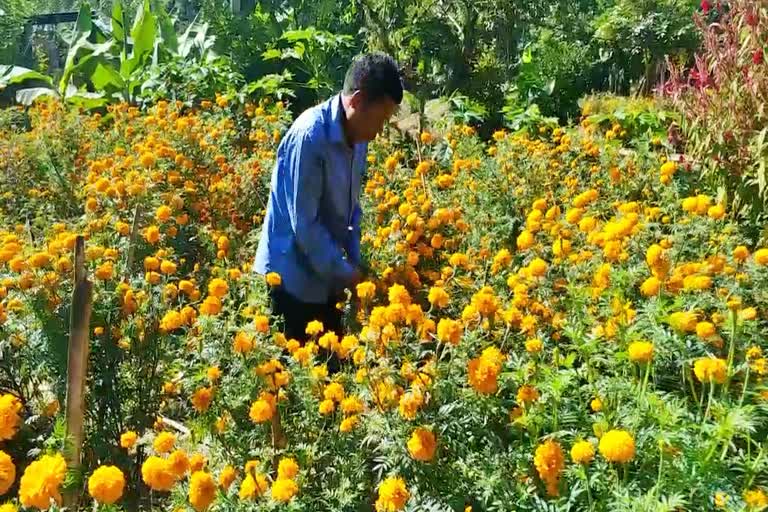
[{"x": 357, "y": 99}]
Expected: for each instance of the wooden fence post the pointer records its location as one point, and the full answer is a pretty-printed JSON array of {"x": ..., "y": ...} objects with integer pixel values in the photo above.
[{"x": 77, "y": 363}]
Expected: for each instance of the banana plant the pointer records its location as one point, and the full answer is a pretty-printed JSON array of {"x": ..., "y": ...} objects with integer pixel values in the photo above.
[{"x": 116, "y": 65}]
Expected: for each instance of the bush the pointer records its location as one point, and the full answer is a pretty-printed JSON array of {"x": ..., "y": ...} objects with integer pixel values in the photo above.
[{"x": 722, "y": 99}]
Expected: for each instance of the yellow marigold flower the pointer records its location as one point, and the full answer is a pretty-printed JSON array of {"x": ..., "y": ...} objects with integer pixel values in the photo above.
[
  {"x": 748, "y": 314},
  {"x": 197, "y": 462},
  {"x": 226, "y": 477},
  {"x": 39, "y": 260},
  {"x": 761, "y": 256},
  {"x": 217, "y": 287},
  {"x": 253, "y": 486},
  {"x": 393, "y": 495},
  {"x": 274, "y": 279},
  {"x": 326, "y": 407},
  {"x": 158, "y": 474},
  {"x": 283, "y": 490},
  {"x": 582, "y": 452},
  {"x": 399, "y": 295},
  {"x": 683, "y": 321},
  {"x": 8, "y": 507},
  {"x": 756, "y": 499},
  {"x": 617, "y": 446},
  {"x": 596, "y": 405},
  {"x": 640, "y": 351},
  {"x": 41, "y": 481},
  {"x": 716, "y": 212},
  {"x": 449, "y": 331},
  {"x": 650, "y": 286},
  {"x": 7, "y": 472},
  {"x": 334, "y": 391},
  {"x": 410, "y": 403},
  {"x": 263, "y": 409},
  {"x": 740, "y": 253},
  {"x": 106, "y": 484},
  {"x": 178, "y": 462},
  {"x": 128, "y": 439},
  {"x": 314, "y": 328},
  {"x": 164, "y": 442},
  {"x": 710, "y": 369},
  {"x": 243, "y": 343},
  {"x": 152, "y": 234},
  {"x": 167, "y": 267},
  {"x": 438, "y": 297},
  {"x": 366, "y": 290},
  {"x": 538, "y": 267},
  {"x": 533, "y": 346},
  {"x": 349, "y": 423},
  {"x": 550, "y": 462},
  {"x": 213, "y": 373},
  {"x": 210, "y": 306},
  {"x": 705, "y": 330},
  {"x": 352, "y": 405},
  {"x": 202, "y": 398},
  {"x": 483, "y": 375},
  {"x": 10, "y": 407},
  {"x": 171, "y": 321},
  {"x": 105, "y": 271},
  {"x": 527, "y": 394},
  {"x": 202, "y": 490},
  {"x": 287, "y": 468},
  {"x": 163, "y": 213},
  {"x": 422, "y": 445}
]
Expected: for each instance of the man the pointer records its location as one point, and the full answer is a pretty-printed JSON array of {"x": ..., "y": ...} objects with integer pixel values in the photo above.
[{"x": 311, "y": 233}]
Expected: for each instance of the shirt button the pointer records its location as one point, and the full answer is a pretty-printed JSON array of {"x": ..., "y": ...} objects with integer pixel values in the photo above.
[{"x": 349, "y": 228}]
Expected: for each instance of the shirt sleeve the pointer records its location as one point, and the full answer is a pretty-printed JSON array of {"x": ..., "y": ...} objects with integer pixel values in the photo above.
[
  {"x": 353, "y": 249},
  {"x": 304, "y": 173}
]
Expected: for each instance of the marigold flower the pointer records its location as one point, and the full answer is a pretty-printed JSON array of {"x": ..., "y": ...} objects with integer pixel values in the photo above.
[
  {"x": 582, "y": 452},
  {"x": 650, "y": 286},
  {"x": 393, "y": 495},
  {"x": 263, "y": 409},
  {"x": 152, "y": 234},
  {"x": 438, "y": 297},
  {"x": 617, "y": 446},
  {"x": 527, "y": 394},
  {"x": 10, "y": 407},
  {"x": 273, "y": 279},
  {"x": 7, "y": 472},
  {"x": 756, "y": 499},
  {"x": 253, "y": 486},
  {"x": 449, "y": 331},
  {"x": 227, "y": 476},
  {"x": 761, "y": 256},
  {"x": 128, "y": 439},
  {"x": 41, "y": 481},
  {"x": 211, "y": 306},
  {"x": 348, "y": 424},
  {"x": 218, "y": 287},
  {"x": 201, "y": 399},
  {"x": 243, "y": 343},
  {"x": 683, "y": 321},
  {"x": 164, "y": 442},
  {"x": 202, "y": 490},
  {"x": 366, "y": 290},
  {"x": 178, "y": 462},
  {"x": 106, "y": 484},
  {"x": 533, "y": 346},
  {"x": 710, "y": 369},
  {"x": 314, "y": 328},
  {"x": 422, "y": 445},
  {"x": 334, "y": 391},
  {"x": 640, "y": 351},
  {"x": 549, "y": 462}
]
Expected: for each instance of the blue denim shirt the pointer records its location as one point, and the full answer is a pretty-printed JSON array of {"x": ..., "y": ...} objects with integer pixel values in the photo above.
[{"x": 311, "y": 232}]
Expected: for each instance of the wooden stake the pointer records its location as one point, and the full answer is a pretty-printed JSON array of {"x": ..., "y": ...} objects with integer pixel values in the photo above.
[{"x": 77, "y": 363}]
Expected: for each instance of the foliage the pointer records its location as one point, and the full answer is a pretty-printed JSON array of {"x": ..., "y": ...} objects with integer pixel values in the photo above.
[{"x": 722, "y": 99}]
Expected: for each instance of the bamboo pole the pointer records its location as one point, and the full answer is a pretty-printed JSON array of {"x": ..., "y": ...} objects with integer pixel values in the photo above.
[{"x": 77, "y": 363}]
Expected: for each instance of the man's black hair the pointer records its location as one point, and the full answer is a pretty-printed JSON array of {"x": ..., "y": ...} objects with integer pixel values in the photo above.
[{"x": 376, "y": 75}]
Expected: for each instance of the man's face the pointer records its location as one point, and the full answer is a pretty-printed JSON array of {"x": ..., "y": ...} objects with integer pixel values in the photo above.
[{"x": 372, "y": 115}]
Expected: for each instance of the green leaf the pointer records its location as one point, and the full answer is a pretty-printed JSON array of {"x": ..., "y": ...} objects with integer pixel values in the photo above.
[
  {"x": 168, "y": 32},
  {"x": 10, "y": 75},
  {"x": 105, "y": 77},
  {"x": 272, "y": 54},
  {"x": 118, "y": 24},
  {"x": 28, "y": 96},
  {"x": 84, "y": 22},
  {"x": 143, "y": 32}
]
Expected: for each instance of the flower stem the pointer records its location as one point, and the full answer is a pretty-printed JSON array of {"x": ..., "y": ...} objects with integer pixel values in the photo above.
[
  {"x": 645, "y": 378},
  {"x": 744, "y": 389},
  {"x": 731, "y": 351},
  {"x": 589, "y": 492},
  {"x": 709, "y": 398}
]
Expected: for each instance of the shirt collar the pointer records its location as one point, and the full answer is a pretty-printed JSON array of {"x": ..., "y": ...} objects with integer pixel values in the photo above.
[{"x": 337, "y": 126}]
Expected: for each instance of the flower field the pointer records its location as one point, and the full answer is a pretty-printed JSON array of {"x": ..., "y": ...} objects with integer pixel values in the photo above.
[{"x": 555, "y": 320}]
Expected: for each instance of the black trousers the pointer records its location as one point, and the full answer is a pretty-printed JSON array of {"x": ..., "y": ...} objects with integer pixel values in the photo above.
[{"x": 297, "y": 314}]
